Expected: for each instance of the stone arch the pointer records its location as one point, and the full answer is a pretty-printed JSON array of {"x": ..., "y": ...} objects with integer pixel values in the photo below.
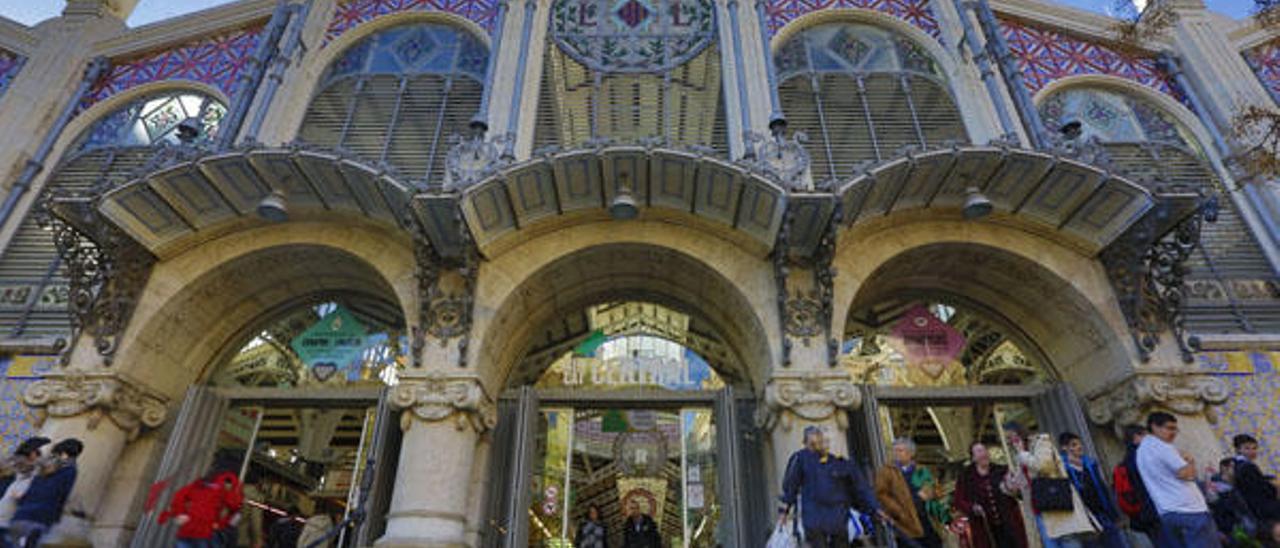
[
  {"x": 585, "y": 264},
  {"x": 203, "y": 299},
  {"x": 951, "y": 68},
  {"x": 1059, "y": 298}
]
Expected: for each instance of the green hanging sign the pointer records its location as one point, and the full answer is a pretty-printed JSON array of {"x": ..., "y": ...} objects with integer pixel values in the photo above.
[{"x": 333, "y": 344}]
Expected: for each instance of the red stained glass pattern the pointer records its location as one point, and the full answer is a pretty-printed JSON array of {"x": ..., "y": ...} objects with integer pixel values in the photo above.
[
  {"x": 1046, "y": 55},
  {"x": 351, "y": 13},
  {"x": 10, "y": 64},
  {"x": 917, "y": 12},
  {"x": 1266, "y": 62},
  {"x": 217, "y": 60}
]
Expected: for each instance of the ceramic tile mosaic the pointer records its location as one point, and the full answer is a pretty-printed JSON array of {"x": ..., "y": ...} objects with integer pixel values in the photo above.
[
  {"x": 217, "y": 60},
  {"x": 1255, "y": 387},
  {"x": 917, "y": 12},
  {"x": 1266, "y": 64},
  {"x": 352, "y": 13},
  {"x": 10, "y": 64},
  {"x": 1046, "y": 55}
]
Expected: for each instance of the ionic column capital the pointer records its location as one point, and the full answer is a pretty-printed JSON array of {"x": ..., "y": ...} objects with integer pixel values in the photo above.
[
  {"x": 1186, "y": 392},
  {"x": 810, "y": 397},
  {"x": 437, "y": 397},
  {"x": 129, "y": 404}
]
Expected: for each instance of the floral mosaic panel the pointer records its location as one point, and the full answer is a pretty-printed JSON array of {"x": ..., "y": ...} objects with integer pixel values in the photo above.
[
  {"x": 16, "y": 374},
  {"x": 1045, "y": 55},
  {"x": 1255, "y": 387},
  {"x": 10, "y": 64},
  {"x": 351, "y": 13},
  {"x": 216, "y": 60},
  {"x": 917, "y": 12},
  {"x": 1266, "y": 64}
]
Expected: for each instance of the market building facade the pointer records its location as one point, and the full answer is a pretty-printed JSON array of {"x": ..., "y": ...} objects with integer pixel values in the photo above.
[{"x": 474, "y": 267}]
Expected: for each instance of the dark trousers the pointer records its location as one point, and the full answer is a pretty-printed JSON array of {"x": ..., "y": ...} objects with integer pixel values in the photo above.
[{"x": 815, "y": 539}]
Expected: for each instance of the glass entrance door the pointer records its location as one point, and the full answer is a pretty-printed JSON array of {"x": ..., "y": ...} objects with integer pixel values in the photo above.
[{"x": 631, "y": 466}]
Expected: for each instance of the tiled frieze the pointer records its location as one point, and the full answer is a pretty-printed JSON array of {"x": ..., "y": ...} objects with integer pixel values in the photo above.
[
  {"x": 916, "y": 12},
  {"x": 351, "y": 13}
]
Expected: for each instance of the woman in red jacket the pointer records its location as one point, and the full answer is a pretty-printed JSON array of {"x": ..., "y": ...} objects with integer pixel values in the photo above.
[{"x": 204, "y": 507}]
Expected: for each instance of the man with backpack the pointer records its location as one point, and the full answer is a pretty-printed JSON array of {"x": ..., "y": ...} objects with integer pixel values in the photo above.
[{"x": 1131, "y": 494}]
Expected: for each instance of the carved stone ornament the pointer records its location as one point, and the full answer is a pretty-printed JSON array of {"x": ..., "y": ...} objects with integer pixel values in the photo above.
[
  {"x": 436, "y": 398},
  {"x": 1181, "y": 391},
  {"x": 804, "y": 315},
  {"x": 129, "y": 405},
  {"x": 781, "y": 157},
  {"x": 811, "y": 398}
]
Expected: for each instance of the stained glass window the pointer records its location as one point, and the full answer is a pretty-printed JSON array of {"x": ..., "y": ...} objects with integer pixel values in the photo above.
[
  {"x": 1112, "y": 117},
  {"x": 155, "y": 119},
  {"x": 849, "y": 48},
  {"x": 413, "y": 49}
]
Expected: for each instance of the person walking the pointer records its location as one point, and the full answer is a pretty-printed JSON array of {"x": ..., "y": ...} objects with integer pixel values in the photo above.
[
  {"x": 19, "y": 470},
  {"x": 1258, "y": 489},
  {"x": 1086, "y": 477},
  {"x": 824, "y": 486},
  {"x": 41, "y": 505},
  {"x": 923, "y": 489},
  {"x": 895, "y": 497},
  {"x": 1170, "y": 478},
  {"x": 204, "y": 507},
  {"x": 592, "y": 532},
  {"x": 985, "y": 500},
  {"x": 640, "y": 531}
]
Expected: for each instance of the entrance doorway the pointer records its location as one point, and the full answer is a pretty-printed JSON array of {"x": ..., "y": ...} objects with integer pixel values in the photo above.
[
  {"x": 298, "y": 412},
  {"x": 629, "y": 421}
]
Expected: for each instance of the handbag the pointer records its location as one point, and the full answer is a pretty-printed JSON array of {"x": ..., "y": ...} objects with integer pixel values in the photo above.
[{"x": 1051, "y": 495}]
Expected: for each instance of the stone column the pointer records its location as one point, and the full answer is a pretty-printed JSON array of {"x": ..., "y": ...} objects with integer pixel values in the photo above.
[
  {"x": 1189, "y": 394},
  {"x": 442, "y": 418},
  {"x": 796, "y": 400},
  {"x": 73, "y": 405}
]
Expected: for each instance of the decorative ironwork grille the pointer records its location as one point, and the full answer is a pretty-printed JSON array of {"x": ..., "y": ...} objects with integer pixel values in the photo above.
[
  {"x": 397, "y": 96},
  {"x": 631, "y": 72},
  {"x": 862, "y": 93},
  {"x": 35, "y": 290},
  {"x": 1231, "y": 286}
]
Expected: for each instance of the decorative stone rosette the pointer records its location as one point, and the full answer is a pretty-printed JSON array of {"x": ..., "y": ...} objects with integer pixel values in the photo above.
[
  {"x": 1181, "y": 391},
  {"x": 438, "y": 398},
  {"x": 812, "y": 397},
  {"x": 130, "y": 405}
]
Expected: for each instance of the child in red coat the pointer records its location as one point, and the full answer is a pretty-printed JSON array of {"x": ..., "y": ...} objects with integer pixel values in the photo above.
[{"x": 204, "y": 507}]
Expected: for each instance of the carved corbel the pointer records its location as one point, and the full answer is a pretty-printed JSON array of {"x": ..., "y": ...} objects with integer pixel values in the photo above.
[
  {"x": 437, "y": 398},
  {"x": 1181, "y": 391},
  {"x": 810, "y": 398},
  {"x": 446, "y": 293},
  {"x": 130, "y": 405}
]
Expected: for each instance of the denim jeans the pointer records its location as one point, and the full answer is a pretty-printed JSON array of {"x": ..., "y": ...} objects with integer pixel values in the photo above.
[
  {"x": 194, "y": 543},
  {"x": 27, "y": 534},
  {"x": 1188, "y": 530}
]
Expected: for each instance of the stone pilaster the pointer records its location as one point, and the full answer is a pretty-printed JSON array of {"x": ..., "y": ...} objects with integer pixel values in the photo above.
[
  {"x": 128, "y": 404},
  {"x": 1182, "y": 391},
  {"x": 794, "y": 401},
  {"x": 442, "y": 417}
]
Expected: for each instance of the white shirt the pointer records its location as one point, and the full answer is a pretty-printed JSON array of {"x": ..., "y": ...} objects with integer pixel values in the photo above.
[{"x": 1158, "y": 463}]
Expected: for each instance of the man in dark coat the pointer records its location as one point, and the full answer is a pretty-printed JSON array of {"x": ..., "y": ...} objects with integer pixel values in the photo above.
[
  {"x": 825, "y": 486},
  {"x": 1258, "y": 490},
  {"x": 640, "y": 531},
  {"x": 41, "y": 507}
]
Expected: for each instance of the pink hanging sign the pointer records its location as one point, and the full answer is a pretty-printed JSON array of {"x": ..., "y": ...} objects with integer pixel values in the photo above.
[{"x": 926, "y": 339}]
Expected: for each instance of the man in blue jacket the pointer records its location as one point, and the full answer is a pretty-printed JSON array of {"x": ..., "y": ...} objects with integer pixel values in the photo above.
[
  {"x": 41, "y": 506},
  {"x": 825, "y": 486}
]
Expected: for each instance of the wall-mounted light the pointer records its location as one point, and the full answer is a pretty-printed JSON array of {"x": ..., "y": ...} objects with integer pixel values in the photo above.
[
  {"x": 273, "y": 207},
  {"x": 623, "y": 207},
  {"x": 976, "y": 205}
]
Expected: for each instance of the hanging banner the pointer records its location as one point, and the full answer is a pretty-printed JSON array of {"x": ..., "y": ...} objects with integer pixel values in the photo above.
[
  {"x": 333, "y": 344},
  {"x": 929, "y": 342}
]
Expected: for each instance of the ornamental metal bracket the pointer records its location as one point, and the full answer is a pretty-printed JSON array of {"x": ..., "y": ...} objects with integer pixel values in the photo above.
[
  {"x": 106, "y": 269},
  {"x": 778, "y": 156},
  {"x": 446, "y": 294},
  {"x": 804, "y": 315},
  {"x": 1147, "y": 268}
]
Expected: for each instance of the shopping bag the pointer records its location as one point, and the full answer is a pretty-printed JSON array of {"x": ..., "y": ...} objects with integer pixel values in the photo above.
[
  {"x": 859, "y": 525},
  {"x": 782, "y": 537}
]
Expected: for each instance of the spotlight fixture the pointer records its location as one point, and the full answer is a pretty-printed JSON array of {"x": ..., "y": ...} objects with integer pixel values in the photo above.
[
  {"x": 976, "y": 205},
  {"x": 623, "y": 207},
  {"x": 273, "y": 207}
]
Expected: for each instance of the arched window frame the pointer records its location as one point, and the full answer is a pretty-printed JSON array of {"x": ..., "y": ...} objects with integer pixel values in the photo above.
[
  {"x": 154, "y": 119},
  {"x": 885, "y": 53},
  {"x": 457, "y": 55}
]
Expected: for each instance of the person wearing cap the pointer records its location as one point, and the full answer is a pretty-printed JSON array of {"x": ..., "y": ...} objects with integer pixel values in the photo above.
[
  {"x": 824, "y": 486},
  {"x": 19, "y": 469}
]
